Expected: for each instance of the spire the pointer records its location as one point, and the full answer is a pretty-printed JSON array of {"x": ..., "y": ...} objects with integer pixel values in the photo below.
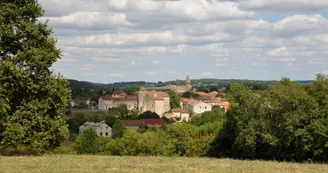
[{"x": 188, "y": 80}]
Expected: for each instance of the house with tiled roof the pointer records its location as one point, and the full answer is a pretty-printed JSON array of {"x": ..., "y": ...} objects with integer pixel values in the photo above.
[
  {"x": 117, "y": 98},
  {"x": 102, "y": 129},
  {"x": 148, "y": 123},
  {"x": 154, "y": 101},
  {"x": 179, "y": 115},
  {"x": 198, "y": 106}
]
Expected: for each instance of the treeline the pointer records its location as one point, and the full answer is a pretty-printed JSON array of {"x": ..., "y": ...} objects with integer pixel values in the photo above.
[
  {"x": 191, "y": 139},
  {"x": 74, "y": 84},
  {"x": 288, "y": 123}
]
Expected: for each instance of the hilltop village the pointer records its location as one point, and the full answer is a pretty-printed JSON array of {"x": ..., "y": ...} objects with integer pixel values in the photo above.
[{"x": 157, "y": 100}]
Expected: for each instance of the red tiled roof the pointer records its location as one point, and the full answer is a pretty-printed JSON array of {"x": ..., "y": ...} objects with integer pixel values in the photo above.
[
  {"x": 194, "y": 102},
  {"x": 127, "y": 99},
  {"x": 145, "y": 122},
  {"x": 133, "y": 123},
  {"x": 154, "y": 122},
  {"x": 107, "y": 97},
  {"x": 181, "y": 111},
  {"x": 119, "y": 92},
  {"x": 212, "y": 101},
  {"x": 185, "y": 100}
]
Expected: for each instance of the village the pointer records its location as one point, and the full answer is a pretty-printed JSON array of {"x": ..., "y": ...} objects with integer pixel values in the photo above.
[{"x": 156, "y": 100}]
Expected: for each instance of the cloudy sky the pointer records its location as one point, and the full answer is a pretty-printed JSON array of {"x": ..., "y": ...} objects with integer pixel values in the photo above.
[{"x": 159, "y": 40}]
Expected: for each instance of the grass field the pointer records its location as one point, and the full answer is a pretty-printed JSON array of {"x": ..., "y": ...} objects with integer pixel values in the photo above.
[{"x": 81, "y": 164}]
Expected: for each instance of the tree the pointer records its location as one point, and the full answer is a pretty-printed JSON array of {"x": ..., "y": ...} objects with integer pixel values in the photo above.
[
  {"x": 32, "y": 98},
  {"x": 123, "y": 110},
  {"x": 131, "y": 89},
  {"x": 87, "y": 143},
  {"x": 175, "y": 99},
  {"x": 148, "y": 115},
  {"x": 118, "y": 129}
]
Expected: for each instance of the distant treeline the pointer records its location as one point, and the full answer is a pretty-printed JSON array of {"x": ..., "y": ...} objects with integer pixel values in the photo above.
[{"x": 83, "y": 89}]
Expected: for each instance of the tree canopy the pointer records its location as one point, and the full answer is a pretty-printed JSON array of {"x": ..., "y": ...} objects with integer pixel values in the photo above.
[{"x": 32, "y": 98}]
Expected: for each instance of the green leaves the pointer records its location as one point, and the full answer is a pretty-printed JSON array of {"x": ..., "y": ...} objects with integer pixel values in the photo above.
[{"x": 32, "y": 109}]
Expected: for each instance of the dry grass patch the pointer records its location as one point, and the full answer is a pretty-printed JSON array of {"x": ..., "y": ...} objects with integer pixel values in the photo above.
[{"x": 81, "y": 164}]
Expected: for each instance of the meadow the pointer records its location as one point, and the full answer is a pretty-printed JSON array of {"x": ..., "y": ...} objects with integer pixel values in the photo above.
[{"x": 81, "y": 164}]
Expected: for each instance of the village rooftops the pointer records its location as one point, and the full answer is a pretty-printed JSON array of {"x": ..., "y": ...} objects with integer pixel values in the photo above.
[
  {"x": 180, "y": 110},
  {"x": 145, "y": 122},
  {"x": 157, "y": 95},
  {"x": 126, "y": 99}
]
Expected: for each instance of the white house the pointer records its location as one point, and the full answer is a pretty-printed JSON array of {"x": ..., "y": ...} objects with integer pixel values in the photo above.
[
  {"x": 198, "y": 107},
  {"x": 102, "y": 129}
]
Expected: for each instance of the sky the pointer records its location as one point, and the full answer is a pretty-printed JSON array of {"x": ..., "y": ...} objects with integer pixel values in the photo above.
[{"x": 158, "y": 40}]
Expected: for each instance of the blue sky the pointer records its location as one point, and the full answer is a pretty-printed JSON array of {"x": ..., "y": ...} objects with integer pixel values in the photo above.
[{"x": 159, "y": 40}]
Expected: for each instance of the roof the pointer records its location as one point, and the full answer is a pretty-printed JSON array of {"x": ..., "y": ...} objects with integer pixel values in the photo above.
[
  {"x": 154, "y": 122},
  {"x": 180, "y": 110},
  {"x": 194, "y": 102},
  {"x": 212, "y": 101},
  {"x": 119, "y": 92},
  {"x": 145, "y": 122},
  {"x": 126, "y": 99},
  {"x": 157, "y": 95},
  {"x": 133, "y": 123},
  {"x": 185, "y": 100},
  {"x": 142, "y": 89}
]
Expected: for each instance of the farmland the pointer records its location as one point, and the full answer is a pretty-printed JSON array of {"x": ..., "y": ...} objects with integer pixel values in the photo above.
[{"x": 80, "y": 164}]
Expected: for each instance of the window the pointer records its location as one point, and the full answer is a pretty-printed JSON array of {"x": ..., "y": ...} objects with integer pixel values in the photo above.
[
  {"x": 106, "y": 133},
  {"x": 205, "y": 107},
  {"x": 100, "y": 134}
]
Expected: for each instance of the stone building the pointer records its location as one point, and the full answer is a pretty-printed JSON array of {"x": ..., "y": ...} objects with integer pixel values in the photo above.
[
  {"x": 102, "y": 129},
  {"x": 118, "y": 97},
  {"x": 154, "y": 101}
]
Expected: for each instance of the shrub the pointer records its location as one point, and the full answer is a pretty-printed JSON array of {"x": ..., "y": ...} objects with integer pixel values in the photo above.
[{"x": 87, "y": 143}]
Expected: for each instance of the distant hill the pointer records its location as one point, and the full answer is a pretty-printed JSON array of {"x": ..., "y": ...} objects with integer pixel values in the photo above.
[
  {"x": 218, "y": 83},
  {"x": 74, "y": 84}
]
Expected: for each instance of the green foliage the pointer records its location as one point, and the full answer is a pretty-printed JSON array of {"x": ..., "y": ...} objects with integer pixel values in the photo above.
[
  {"x": 131, "y": 89},
  {"x": 118, "y": 129},
  {"x": 32, "y": 98},
  {"x": 125, "y": 146},
  {"x": 148, "y": 115},
  {"x": 189, "y": 94},
  {"x": 211, "y": 116},
  {"x": 88, "y": 142},
  {"x": 181, "y": 135},
  {"x": 83, "y": 105},
  {"x": 175, "y": 99},
  {"x": 123, "y": 110},
  {"x": 63, "y": 150},
  {"x": 288, "y": 122}
]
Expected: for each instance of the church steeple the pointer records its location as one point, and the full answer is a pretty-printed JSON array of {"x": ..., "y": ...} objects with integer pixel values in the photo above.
[{"x": 188, "y": 80}]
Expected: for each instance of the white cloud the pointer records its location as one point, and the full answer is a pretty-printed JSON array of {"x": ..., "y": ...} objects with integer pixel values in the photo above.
[
  {"x": 155, "y": 62},
  {"x": 285, "y": 6},
  {"x": 287, "y": 59},
  {"x": 106, "y": 59},
  {"x": 152, "y": 73},
  {"x": 190, "y": 9},
  {"x": 96, "y": 20},
  {"x": 136, "y": 63},
  {"x": 115, "y": 75},
  {"x": 207, "y": 74}
]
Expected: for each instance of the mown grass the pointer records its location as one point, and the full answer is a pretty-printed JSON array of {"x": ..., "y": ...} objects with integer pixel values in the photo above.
[{"x": 81, "y": 164}]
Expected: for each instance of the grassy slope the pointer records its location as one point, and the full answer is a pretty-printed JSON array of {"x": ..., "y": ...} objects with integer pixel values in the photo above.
[{"x": 80, "y": 164}]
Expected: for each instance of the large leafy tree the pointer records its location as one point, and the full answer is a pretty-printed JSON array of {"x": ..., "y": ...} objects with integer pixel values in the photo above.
[
  {"x": 32, "y": 98},
  {"x": 174, "y": 99}
]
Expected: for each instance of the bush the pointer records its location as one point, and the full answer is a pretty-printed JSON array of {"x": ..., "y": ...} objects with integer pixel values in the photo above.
[
  {"x": 63, "y": 150},
  {"x": 87, "y": 143},
  {"x": 20, "y": 151}
]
